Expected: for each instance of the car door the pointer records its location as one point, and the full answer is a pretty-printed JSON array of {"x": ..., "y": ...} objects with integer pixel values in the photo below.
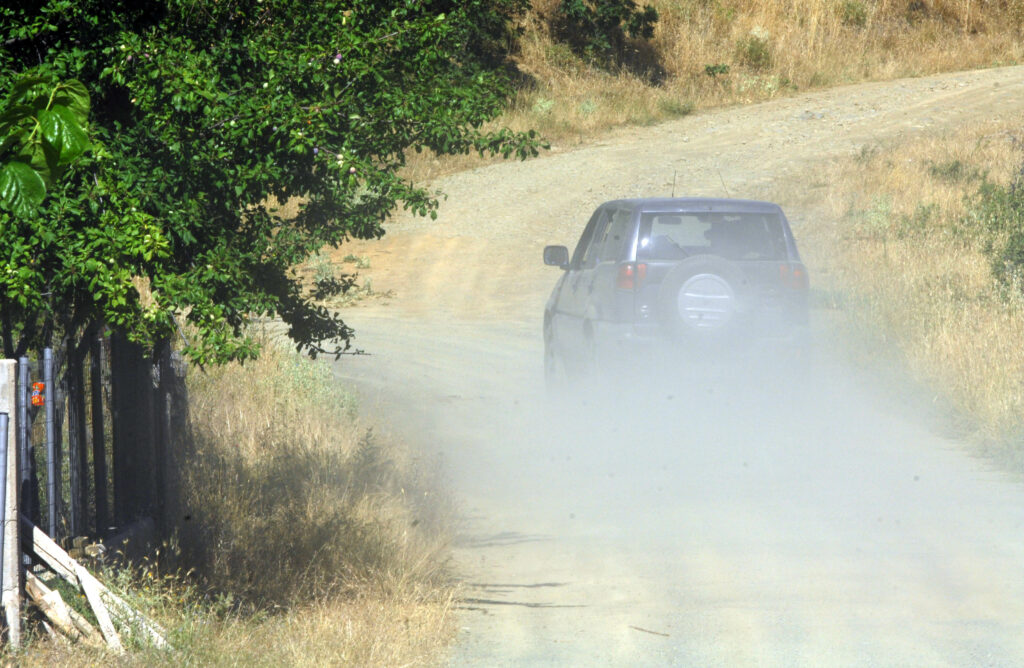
[
  {"x": 610, "y": 248},
  {"x": 571, "y": 302}
]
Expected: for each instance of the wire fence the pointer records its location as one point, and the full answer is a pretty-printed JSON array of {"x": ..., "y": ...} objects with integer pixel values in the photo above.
[{"x": 86, "y": 436}]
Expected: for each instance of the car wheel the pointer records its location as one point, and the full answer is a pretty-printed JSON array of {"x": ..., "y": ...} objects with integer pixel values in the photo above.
[{"x": 703, "y": 298}]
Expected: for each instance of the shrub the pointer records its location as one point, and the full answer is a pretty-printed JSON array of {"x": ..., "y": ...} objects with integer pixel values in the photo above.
[
  {"x": 754, "y": 50},
  {"x": 597, "y": 29},
  {"x": 853, "y": 13},
  {"x": 714, "y": 70},
  {"x": 998, "y": 213}
]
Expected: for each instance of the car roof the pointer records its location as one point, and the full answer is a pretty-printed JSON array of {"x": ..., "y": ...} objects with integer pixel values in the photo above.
[{"x": 672, "y": 204}]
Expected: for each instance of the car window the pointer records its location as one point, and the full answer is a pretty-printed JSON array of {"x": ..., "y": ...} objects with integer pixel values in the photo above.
[
  {"x": 597, "y": 239},
  {"x": 736, "y": 236},
  {"x": 588, "y": 233},
  {"x": 616, "y": 235}
]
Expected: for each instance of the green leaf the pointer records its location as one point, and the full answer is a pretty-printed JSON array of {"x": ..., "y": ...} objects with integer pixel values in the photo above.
[
  {"x": 24, "y": 84},
  {"x": 42, "y": 158},
  {"x": 73, "y": 95},
  {"x": 62, "y": 129},
  {"x": 21, "y": 189},
  {"x": 14, "y": 116}
]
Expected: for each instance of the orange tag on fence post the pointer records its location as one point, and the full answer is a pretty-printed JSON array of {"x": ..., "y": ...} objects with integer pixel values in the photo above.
[{"x": 38, "y": 396}]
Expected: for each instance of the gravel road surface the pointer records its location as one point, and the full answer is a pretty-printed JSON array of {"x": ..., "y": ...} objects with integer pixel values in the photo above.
[{"x": 741, "y": 520}]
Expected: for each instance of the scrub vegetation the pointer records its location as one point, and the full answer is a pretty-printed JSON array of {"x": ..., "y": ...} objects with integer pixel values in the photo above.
[
  {"x": 309, "y": 540},
  {"x": 925, "y": 252},
  {"x": 712, "y": 52},
  {"x": 709, "y": 53}
]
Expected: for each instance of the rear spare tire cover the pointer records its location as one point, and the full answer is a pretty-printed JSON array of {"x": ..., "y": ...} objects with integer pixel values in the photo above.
[{"x": 704, "y": 296}]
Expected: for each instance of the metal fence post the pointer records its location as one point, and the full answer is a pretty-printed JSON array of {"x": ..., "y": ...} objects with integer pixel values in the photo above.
[
  {"x": 4, "y": 420},
  {"x": 11, "y": 398},
  {"x": 24, "y": 444},
  {"x": 51, "y": 454},
  {"x": 78, "y": 454}
]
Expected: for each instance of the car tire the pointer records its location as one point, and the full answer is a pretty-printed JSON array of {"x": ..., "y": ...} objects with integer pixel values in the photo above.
[{"x": 703, "y": 298}]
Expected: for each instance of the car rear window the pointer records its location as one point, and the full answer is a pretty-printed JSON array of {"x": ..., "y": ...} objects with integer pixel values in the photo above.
[{"x": 735, "y": 236}]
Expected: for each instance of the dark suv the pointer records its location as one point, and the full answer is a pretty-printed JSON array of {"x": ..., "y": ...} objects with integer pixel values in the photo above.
[{"x": 689, "y": 276}]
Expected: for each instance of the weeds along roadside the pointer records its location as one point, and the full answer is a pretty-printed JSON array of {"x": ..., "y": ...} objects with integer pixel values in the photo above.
[
  {"x": 922, "y": 255},
  {"x": 707, "y": 54},
  {"x": 311, "y": 540}
]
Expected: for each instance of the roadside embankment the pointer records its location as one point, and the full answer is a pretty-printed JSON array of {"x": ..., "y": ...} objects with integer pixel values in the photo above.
[
  {"x": 302, "y": 537},
  {"x": 925, "y": 236}
]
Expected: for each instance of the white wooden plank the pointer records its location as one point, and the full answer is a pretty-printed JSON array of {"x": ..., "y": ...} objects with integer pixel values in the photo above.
[
  {"x": 63, "y": 564},
  {"x": 70, "y": 623},
  {"x": 92, "y": 594}
]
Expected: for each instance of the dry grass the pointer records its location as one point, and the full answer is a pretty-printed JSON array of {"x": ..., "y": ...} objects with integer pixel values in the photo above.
[
  {"x": 310, "y": 541},
  {"x": 281, "y": 473},
  {"x": 908, "y": 260},
  {"x": 365, "y": 631},
  {"x": 770, "y": 48}
]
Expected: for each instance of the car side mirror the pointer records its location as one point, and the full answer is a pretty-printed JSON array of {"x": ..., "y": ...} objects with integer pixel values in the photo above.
[{"x": 556, "y": 256}]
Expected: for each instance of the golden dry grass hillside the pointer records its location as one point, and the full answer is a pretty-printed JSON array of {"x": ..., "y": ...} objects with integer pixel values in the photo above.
[
  {"x": 708, "y": 53},
  {"x": 715, "y": 52},
  {"x": 921, "y": 238}
]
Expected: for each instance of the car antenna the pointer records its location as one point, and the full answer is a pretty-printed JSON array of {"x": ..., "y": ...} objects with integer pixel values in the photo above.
[
  {"x": 674, "y": 172},
  {"x": 726, "y": 189}
]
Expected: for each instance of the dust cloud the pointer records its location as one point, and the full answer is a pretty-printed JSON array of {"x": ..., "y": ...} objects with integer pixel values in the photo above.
[
  {"x": 737, "y": 511},
  {"x": 741, "y": 517}
]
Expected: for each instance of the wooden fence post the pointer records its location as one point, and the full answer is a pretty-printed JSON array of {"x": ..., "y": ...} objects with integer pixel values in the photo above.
[
  {"x": 11, "y": 557},
  {"x": 78, "y": 459},
  {"x": 99, "y": 439},
  {"x": 132, "y": 389},
  {"x": 161, "y": 433}
]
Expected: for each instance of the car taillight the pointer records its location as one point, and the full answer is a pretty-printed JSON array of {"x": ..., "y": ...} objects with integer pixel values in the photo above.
[
  {"x": 794, "y": 275},
  {"x": 631, "y": 275}
]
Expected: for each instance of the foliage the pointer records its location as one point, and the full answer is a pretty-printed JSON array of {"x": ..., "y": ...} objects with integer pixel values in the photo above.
[
  {"x": 208, "y": 114},
  {"x": 43, "y": 125},
  {"x": 853, "y": 13},
  {"x": 716, "y": 69},
  {"x": 755, "y": 50},
  {"x": 492, "y": 27},
  {"x": 597, "y": 29},
  {"x": 998, "y": 214}
]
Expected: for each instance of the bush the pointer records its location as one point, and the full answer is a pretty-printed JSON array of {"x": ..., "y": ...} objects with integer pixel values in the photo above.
[
  {"x": 754, "y": 50},
  {"x": 714, "y": 70},
  {"x": 597, "y": 29},
  {"x": 999, "y": 212},
  {"x": 853, "y": 13}
]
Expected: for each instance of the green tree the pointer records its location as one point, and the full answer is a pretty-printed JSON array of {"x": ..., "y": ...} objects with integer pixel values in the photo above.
[
  {"x": 204, "y": 115},
  {"x": 597, "y": 29}
]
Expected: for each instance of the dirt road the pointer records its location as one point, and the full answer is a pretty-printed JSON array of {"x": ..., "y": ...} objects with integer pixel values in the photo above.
[{"x": 743, "y": 521}]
